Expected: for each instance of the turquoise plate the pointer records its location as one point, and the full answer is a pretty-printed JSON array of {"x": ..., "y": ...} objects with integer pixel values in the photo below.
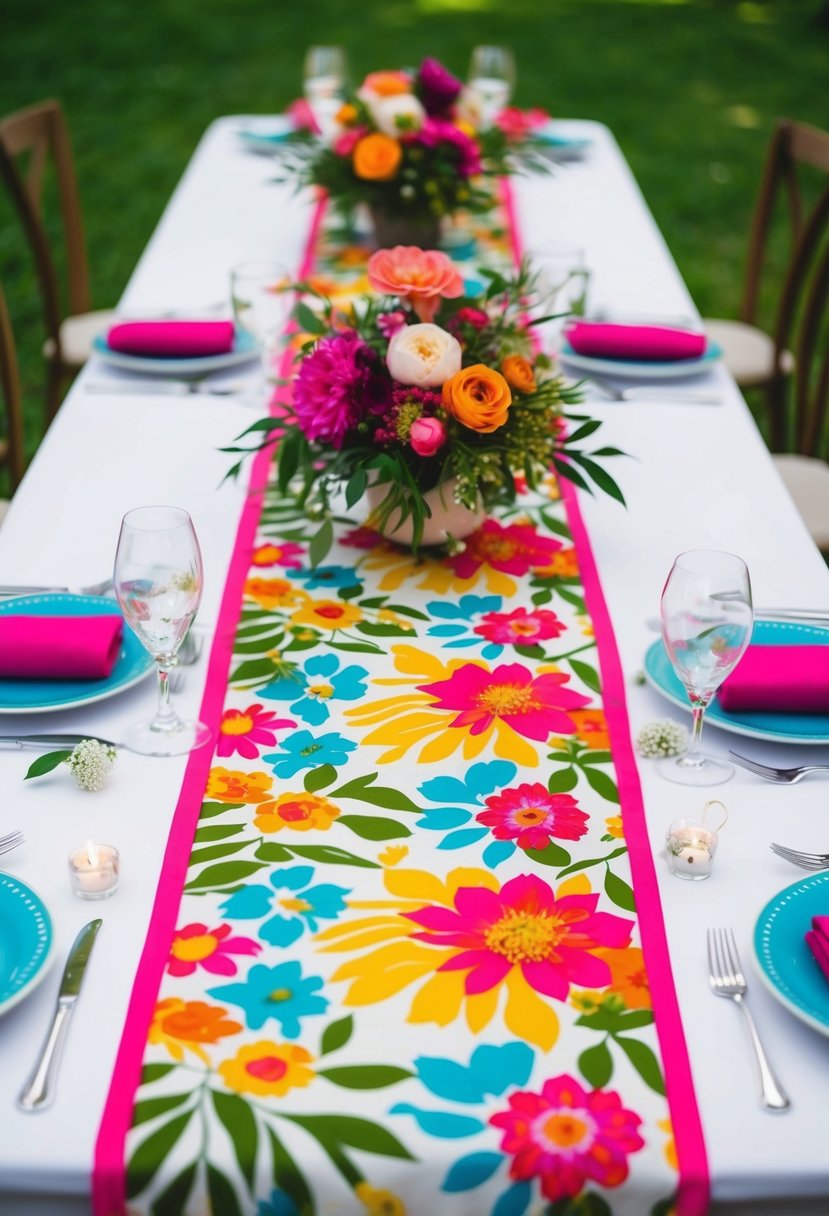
[
  {"x": 641, "y": 369},
  {"x": 26, "y": 941},
  {"x": 245, "y": 347},
  {"x": 36, "y": 696},
  {"x": 783, "y": 728},
  {"x": 787, "y": 965}
]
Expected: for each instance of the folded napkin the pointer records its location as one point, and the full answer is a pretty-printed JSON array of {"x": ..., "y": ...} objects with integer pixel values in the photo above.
[
  {"x": 172, "y": 338},
  {"x": 657, "y": 343},
  {"x": 779, "y": 679},
  {"x": 59, "y": 647},
  {"x": 817, "y": 939}
]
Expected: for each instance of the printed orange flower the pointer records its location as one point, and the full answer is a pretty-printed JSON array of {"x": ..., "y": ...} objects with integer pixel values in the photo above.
[
  {"x": 591, "y": 728},
  {"x": 272, "y": 554},
  {"x": 179, "y": 1024},
  {"x": 422, "y": 277},
  {"x": 379, "y": 1202},
  {"x": 563, "y": 564},
  {"x": 270, "y": 592},
  {"x": 479, "y": 397},
  {"x": 327, "y": 614},
  {"x": 231, "y": 785},
  {"x": 376, "y": 157},
  {"x": 629, "y": 979},
  {"x": 268, "y": 1069},
  {"x": 302, "y": 812},
  {"x": 518, "y": 373}
]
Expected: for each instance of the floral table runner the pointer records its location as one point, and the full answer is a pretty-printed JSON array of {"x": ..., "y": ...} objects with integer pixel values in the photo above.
[{"x": 407, "y": 954}]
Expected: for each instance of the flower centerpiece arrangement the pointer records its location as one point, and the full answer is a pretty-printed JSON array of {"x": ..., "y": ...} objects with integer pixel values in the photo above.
[
  {"x": 434, "y": 403},
  {"x": 412, "y": 147}
]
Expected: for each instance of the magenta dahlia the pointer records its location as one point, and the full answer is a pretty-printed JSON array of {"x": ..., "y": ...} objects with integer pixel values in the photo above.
[{"x": 333, "y": 387}]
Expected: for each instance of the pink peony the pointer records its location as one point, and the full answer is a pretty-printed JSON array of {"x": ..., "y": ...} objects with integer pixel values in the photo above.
[
  {"x": 330, "y": 390},
  {"x": 436, "y": 131},
  {"x": 427, "y": 435},
  {"x": 436, "y": 87},
  {"x": 420, "y": 277}
]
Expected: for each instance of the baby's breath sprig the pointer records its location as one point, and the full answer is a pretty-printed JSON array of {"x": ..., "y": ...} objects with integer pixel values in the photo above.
[
  {"x": 90, "y": 762},
  {"x": 663, "y": 738}
]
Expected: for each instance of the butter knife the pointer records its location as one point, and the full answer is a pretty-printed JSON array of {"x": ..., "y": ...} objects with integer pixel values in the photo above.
[
  {"x": 10, "y": 742},
  {"x": 38, "y": 1091}
]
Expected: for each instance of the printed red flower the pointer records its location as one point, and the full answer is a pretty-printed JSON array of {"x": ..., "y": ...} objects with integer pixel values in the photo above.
[
  {"x": 274, "y": 554},
  {"x": 531, "y": 815},
  {"x": 515, "y": 549},
  {"x": 197, "y": 946},
  {"x": 520, "y": 627}
]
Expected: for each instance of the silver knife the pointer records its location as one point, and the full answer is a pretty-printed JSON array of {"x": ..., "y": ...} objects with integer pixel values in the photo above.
[
  {"x": 38, "y": 1091},
  {"x": 9, "y": 742}
]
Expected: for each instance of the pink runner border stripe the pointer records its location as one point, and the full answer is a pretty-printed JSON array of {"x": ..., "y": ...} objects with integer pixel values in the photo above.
[
  {"x": 109, "y": 1173},
  {"x": 693, "y": 1198}
]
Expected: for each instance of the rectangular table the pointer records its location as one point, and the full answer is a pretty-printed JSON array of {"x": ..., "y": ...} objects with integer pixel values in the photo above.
[{"x": 698, "y": 476}]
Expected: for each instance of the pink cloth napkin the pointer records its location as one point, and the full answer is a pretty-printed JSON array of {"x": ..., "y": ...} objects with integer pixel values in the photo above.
[
  {"x": 779, "y": 679},
  {"x": 172, "y": 338},
  {"x": 59, "y": 647},
  {"x": 657, "y": 343},
  {"x": 817, "y": 939}
]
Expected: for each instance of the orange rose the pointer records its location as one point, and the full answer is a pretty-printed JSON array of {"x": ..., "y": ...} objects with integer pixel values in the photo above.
[
  {"x": 518, "y": 373},
  {"x": 376, "y": 157},
  {"x": 478, "y": 397},
  {"x": 387, "y": 84}
]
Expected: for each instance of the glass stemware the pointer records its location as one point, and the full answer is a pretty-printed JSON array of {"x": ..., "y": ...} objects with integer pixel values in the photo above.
[
  {"x": 492, "y": 77},
  {"x": 158, "y": 581},
  {"x": 324, "y": 78},
  {"x": 260, "y": 293},
  {"x": 707, "y": 619}
]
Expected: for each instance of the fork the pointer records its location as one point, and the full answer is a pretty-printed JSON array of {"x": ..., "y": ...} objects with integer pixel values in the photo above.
[
  {"x": 93, "y": 589},
  {"x": 726, "y": 979},
  {"x": 642, "y": 391},
  {"x": 782, "y": 776},
  {"x": 807, "y": 861},
  {"x": 10, "y": 841}
]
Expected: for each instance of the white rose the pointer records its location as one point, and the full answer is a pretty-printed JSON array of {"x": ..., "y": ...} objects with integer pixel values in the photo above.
[
  {"x": 394, "y": 115},
  {"x": 424, "y": 354}
]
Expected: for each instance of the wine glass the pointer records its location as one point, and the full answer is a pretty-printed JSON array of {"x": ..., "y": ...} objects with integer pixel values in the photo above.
[
  {"x": 260, "y": 293},
  {"x": 707, "y": 619},
  {"x": 324, "y": 77},
  {"x": 492, "y": 77},
  {"x": 561, "y": 281},
  {"x": 158, "y": 581}
]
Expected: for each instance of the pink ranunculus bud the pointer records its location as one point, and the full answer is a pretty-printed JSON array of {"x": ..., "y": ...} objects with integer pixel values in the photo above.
[
  {"x": 389, "y": 322},
  {"x": 427, "y": 435}
]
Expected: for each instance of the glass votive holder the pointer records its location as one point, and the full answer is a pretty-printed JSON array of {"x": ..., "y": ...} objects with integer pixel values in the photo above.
[
  {"x": 691, "y": 848},
  {"x": 94, "y": 871}
]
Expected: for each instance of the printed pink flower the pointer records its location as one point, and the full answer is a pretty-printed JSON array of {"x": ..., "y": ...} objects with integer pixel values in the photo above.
[
  {"x": 520, "y": 627},
  {"x": 567, "y": 1136},
  {"x": 240, "y": 730},
  {"x": 535, "y": 708},
  {"x": 272, "y": 553},
  {"x": 515, "y": 549},
  {"x": 330, "y": 391},
  {"x": 421, "y": 277},
  {"x": 531, "y": 815},
  {"x": 197, "y": 946},
  {"x": 518, "y": 124},
  {"x": 523, "y": 925}
]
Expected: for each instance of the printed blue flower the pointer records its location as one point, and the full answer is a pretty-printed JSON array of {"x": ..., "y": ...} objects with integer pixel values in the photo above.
[
  {"x": 280, "y": 992},
  {"x": 461, "y": 618},
  {"x": 491, "y": 1070},
  {"x": 301, "y": 750},
  {"x": 305, "y": 907},
  {"x": 279, "y": 1204},
  {"x": 326, "y": 576},
  {"x": 310, "y": 689},
  {"x": 481, "y": 779}
]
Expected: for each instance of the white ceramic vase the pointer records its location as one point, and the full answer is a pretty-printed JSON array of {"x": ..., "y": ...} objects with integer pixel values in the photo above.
[{"x": 448, "y": 518}]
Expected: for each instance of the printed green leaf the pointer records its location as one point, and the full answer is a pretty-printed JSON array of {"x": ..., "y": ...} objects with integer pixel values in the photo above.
[
  {"x": 213, "y": 851},
  {"x": 353, "y": 1131},
  {"x": 530, "y": 652},
  {"x": 152, "y": 1152},
  {"x": 319, "y": 778},
  {"x": 154, "y": 1072},
  {"x": 595, "y": 757},
  {"x": 596, "y": 1065},
  {"x": 377, "y": 795},
  {"x": 375, "y": 828},
  {"x": 252, "y": 670},
  {"x": 357, "y": 647},
  {"x": 45, "y": 764},
  {"x": 616, "y": 1021},
  {"x": 378, "y": 629},
  {"x": 288, "y": 1178},
  {"x": 259, "y": 645},
  {"x": 644, "y": 1061},
  {"x": 223, "y": 1197},
  {"x": 592, "y": 861},
  {"x": 329, "y": 855},
  {"x": 173, "y": 1199},
  {"x": 540, "y": 598},
  {"x": 209, "y": 810},
  {"x": 604, "y": 786},
  {"x": 587, "y": 674},
  {"x": 217, "y": 831},
  {"x": 150, "y": 1108},
  {"x": 365, "y": 1076},
  {"x": 562, "y": 781},
  {"x": 222, "y": 875},
  {"x": 240, "y": 1124},
  {"x": 619, "y": 891},
  {"x": 336, "y": 1035},
  {"x": 551, "y": 855},
  {"x": 273, "y": 852}
]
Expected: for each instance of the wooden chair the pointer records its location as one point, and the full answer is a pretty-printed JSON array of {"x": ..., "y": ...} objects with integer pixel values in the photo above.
[
  {"x": 11, "y": 443},
  {"x": 32, "y": 141}
]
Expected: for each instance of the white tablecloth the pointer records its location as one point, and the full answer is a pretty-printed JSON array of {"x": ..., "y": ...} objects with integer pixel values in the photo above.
[{"x": 698, "y": 476}]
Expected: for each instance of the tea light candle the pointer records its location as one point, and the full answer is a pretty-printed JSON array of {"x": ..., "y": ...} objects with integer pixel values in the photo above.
[
  {"x": 94, "y": 871},
  {"x": 691, "y": 849}
]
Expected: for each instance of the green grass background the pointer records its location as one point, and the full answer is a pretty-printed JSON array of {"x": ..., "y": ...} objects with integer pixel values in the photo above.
[{"x": 690, "y": 88}]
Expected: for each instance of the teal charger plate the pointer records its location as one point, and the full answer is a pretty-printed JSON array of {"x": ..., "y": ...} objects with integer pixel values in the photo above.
[
  {"x": 787, "y": 966},
  {"x": 245, "y": 347},
  {"x": 37, "y": 696},
  {"x": 641, "y": 369},
  {"x": 782, "y": 728},
  {"x": 26, "y": 941}
]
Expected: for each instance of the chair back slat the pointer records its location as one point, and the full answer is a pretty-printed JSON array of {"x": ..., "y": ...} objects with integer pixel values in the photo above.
[{"x": 11, "y": 450}]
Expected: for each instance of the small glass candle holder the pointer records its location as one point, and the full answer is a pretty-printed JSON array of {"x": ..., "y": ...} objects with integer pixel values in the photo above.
[
  {"x": 691, "y": 845},
  {"x": 94, "y": 871}
]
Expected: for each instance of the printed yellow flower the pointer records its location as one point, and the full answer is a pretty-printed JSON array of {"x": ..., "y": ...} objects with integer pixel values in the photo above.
[
  {"x": 666, "y": 1126},
  {"x": 327, "y": 614},
  {"x": 302, "y": 812},
  {"x": 379, "y": 1202},
  {"x": 179, "y": 1024},
  {"x": 268, "y": 1069},
  {"x": 614, "y": 827},
  {"x": 393, "y": 855},
  {"x": 562, "y": 564},
  {"x": 230, "y": 785},
  {"x": 430, "y": 575}
]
